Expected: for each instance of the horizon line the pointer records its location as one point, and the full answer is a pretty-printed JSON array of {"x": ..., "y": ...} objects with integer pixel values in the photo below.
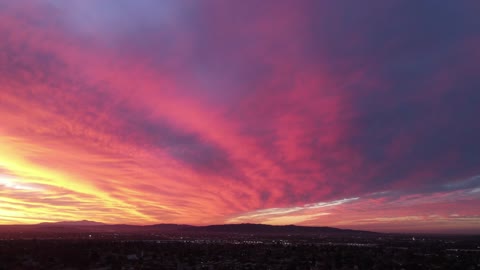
[{"x": 434, "y": 232}]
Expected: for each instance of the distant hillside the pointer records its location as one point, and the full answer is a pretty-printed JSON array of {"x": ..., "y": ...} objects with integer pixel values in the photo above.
[
  {"x": 85, "y": 226},
  {"x": 248, "y": 228},
  {"x": 169, "y": 227}
]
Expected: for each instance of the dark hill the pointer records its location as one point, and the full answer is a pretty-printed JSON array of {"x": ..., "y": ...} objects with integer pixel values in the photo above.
[
  {"x": 86, "y": 226},
  {"x": 248, "y": 228}
]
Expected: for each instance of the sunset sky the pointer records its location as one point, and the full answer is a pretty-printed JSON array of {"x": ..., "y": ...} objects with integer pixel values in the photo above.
[{"x": 351, "y": 114}]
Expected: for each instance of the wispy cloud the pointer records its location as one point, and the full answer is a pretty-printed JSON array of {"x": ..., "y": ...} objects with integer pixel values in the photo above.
[{"x": 289, "y": 215}]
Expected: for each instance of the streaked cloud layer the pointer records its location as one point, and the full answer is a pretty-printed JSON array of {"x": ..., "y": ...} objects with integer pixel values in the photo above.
[{"x": 358, "y": 115}]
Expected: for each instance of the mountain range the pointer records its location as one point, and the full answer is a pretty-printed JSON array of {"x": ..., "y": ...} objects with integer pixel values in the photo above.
[{"x": 85, "y": 226}]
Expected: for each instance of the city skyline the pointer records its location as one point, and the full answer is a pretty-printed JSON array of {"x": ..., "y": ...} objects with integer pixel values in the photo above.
[{"x": 315, "y": 113}]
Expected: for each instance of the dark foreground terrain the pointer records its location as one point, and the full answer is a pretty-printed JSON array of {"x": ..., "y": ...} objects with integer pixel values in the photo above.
[{"x": 240, "y": 252}]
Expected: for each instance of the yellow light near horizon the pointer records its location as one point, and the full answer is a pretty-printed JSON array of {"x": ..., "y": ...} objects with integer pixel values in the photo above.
[{"x": 27, "y": 173}]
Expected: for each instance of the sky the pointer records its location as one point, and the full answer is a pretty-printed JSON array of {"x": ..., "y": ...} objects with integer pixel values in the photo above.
[{"x": 351, "y": 114}]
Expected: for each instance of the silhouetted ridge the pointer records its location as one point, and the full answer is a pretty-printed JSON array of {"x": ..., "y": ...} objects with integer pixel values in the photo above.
[
  {"x": 169, "y": 227},
  {"x": 268, "y": 229},
  {"x": 245, "y": 228}
]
